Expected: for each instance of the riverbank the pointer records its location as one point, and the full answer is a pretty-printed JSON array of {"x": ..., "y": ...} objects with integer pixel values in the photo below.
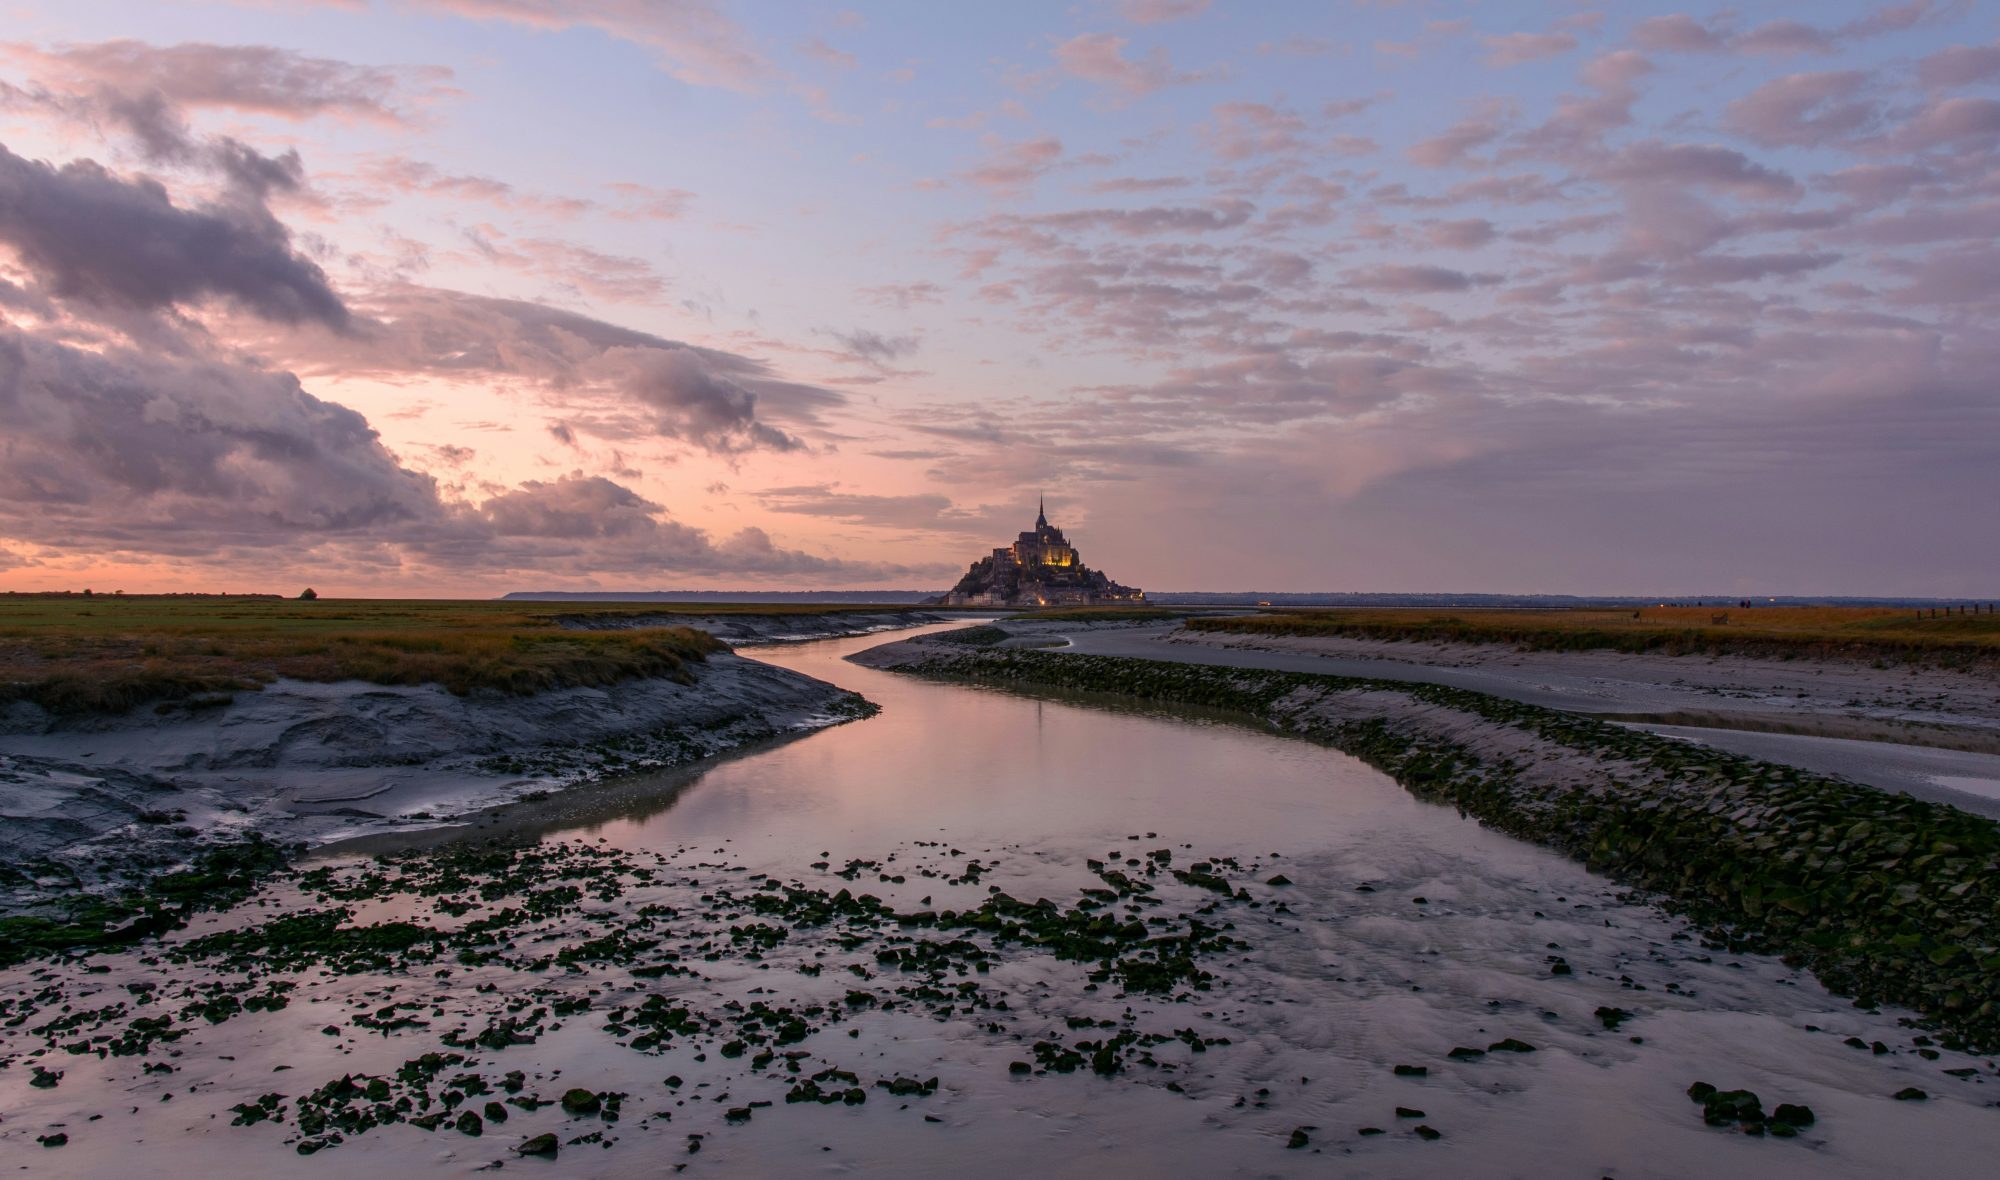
[
  {"x": 1885, "y": 898},
  {"x": 95, "y": 800},
  {"x": 445, "y": 710},
  {"x": 1910, "y": 728}
]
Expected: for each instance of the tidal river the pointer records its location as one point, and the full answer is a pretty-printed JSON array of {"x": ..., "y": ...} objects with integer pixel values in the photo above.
[{"x": 1545, "y": 1022}]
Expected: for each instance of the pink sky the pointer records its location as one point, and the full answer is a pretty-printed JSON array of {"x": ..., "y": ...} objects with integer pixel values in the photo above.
[{"x": 429, "y": 297}]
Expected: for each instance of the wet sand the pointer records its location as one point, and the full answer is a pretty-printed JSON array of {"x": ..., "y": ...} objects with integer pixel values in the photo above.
[{"x": 1928, "y": 732}]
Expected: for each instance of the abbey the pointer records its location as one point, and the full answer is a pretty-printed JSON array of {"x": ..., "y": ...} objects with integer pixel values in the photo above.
[{"x": 1041, "y": 568}]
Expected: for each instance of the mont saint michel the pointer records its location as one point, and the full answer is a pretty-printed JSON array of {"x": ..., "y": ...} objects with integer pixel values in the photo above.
[
  {"x": 483, "y": 688},
  {"x": 1041, "y": 568}
]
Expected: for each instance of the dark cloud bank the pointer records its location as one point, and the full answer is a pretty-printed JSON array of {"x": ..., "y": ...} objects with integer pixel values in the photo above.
[{"x": 126, "y": 428}]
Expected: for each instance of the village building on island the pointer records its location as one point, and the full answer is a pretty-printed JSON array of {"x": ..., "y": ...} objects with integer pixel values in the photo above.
[{"x": 1041, "y": 568}]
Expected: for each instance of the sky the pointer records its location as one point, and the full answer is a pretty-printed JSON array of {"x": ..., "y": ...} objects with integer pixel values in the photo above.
[{"x": 456, "y": 297}]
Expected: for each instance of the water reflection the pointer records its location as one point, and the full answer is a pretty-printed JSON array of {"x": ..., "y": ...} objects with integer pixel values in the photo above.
[{"x": 994, "y": 768}]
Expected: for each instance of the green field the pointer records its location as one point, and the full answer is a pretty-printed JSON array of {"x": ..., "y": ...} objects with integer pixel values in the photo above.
[
  {"x": 71, "y": 653},
  {"x": 1855, "y": 632}
]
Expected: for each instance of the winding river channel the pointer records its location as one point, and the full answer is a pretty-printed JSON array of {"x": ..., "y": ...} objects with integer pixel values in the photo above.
[{"x": 1398, "y": 932}]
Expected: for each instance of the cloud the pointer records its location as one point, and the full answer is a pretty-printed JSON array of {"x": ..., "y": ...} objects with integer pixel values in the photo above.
[
  {"x": 1959, "y": 65},
  {"x": 1464, "y": 234},
  {"x": 92, "y": 236},
  {"x": 819, "y": 50},
  {"x": 1651, "y": 161},
  {"x": 1950, "y": 121},
  {"x": 925, "y": 512},
  {"x": 643, "y": 202},
  {"x": 1802, "y": 110},
  {"x": 691, "y": 400},
  {"x": 1453, "y": 145},
  {"x": 1955, "y": 277},
  {"x": 573, "y": 508},
  {"x": 1140, "y": 184},
  {"x": 1782, "y": 38},
  {"x": 1876, "y": 184},
  {"x": 1012, "y": 167},
  {"x": 576, "y": 268},
  {"x": 152, "y": 451},
  {"x": 694, "y": 40},
  {"x": 1225, "y": 213},
  {"x": 404, "y": 174},
  {"x": 203, "y": 459},
  {"x": 1240, "y": 130},
  {"x": 1418, "y": 279},
  {"x": 1154, "y": 12},
  {"x": 1736, "y": 268},
  {"x": 251, "y": 79},
  {"x": 1677, "y": 33},
  {"x": 1100, "y": 58},
  {"x": 1513, "y": 49},
  {"x": 876, "y": 348},
  {"x": 718, "y": 401},
  {"x": 904, "y": 296}
]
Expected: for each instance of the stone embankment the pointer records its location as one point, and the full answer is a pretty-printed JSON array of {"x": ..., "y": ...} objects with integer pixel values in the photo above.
[{"x": 1886, "y": 898}]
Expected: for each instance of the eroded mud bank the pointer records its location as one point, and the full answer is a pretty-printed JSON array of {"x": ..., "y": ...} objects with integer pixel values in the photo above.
[{"x": 97, "y": 799}]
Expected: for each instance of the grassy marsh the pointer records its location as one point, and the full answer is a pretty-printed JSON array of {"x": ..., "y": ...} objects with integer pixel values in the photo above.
[
  {"x": 1855, "y": 632},
  {"x": 106, "y": 653}
]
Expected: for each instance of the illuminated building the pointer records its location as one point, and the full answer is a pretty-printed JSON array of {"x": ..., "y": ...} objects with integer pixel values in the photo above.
[{"x": 1041, "y": 568}]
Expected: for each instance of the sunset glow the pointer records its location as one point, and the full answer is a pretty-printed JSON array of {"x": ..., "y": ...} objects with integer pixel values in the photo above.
[{"x": 456, "y": 297}]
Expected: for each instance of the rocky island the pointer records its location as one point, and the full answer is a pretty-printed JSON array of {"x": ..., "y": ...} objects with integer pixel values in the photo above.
[{"x": 1041, "y": 568}]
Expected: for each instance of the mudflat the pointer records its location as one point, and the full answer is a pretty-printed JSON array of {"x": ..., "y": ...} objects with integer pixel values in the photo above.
[{"x": 1914, "y": 725}]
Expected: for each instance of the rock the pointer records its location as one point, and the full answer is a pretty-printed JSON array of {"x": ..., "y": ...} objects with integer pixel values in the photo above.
[
  {"x": 580, "y": 1101},
  {"x": 1412, "y": 1071},
  {"x": 1406, "y": 1112},
  {"x": 59, "y": 1139},
  {"x": 1371, "y": 1131},
  {"x": 470, "y": 1123},
  {"x": 1510, "y": 1045},
  {"x": 543, "y": 1144},
  {"x": 1720, "y": 1108},
  {"x": 1910, "y": 1094},
  {"x": 1428, "y": 1134},
  {"x": 1299, "y": 1139},
  {"x": 1280, "y": 879},
  {"x": 1611, "y": 1018},
  {"x": 1461, "y": 1053},
  {"x": 496, "y": 1113},
  {"x": 736, "y": 1114},
  {"x": 1019, "y": 1067},
  {"x": 1794, "y": 1113}
]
